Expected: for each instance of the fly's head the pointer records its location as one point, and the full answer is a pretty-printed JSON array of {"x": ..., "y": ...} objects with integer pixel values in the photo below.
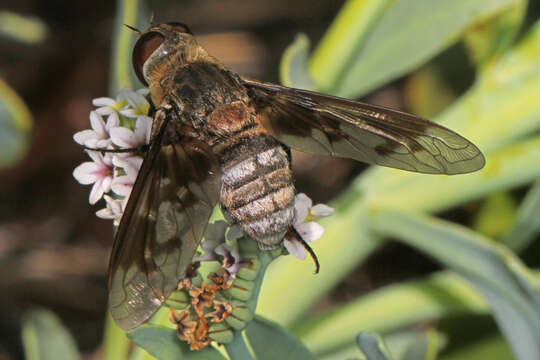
[{"x": 161, "y": 49}]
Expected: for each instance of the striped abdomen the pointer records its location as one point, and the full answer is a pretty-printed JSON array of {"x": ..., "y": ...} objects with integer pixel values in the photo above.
[{"x": 257, "y": 191}]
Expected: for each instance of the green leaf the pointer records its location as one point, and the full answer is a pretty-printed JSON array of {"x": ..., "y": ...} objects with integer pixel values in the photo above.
[
  {"x": 373, "y": 347},
  {"x": 45, "y": 338},
  {"x": 495, "y": 35},
  {"x": 293, "y": 68},
  {"x": 509, "y": 287},
  {"x": 15, "y": 126},
  {"x": 269, "y": 341},
  {"x": 493, "y": 348},
  {"x": 527, "y": 224},
  {"x": 334, "y": 54},
  {"x": 163, "y": 343},
  {"x": 26, "y": 29},
  {"x": 415, "y": 344},
  {"x": 409, "y": 33},
  {"x": 391, "y": 308},
  {"x": 497, "y": 215},
  {"x": 133, "y": 13}
]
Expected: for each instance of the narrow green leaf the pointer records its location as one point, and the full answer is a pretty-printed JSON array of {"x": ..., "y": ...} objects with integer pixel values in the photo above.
[
  {"x": 293, "y": 68},
  {"x": 15, "y": 126},
  {"x": 45, "y": 338},
  {"x": 336, "y": 51},
  {"x": 391, "y": 308},
  {"x": 26, "y": 29},
  {"x": 409, "y": 33},
  {"x": 527, "y": 224},
  {"x": 163, "y": 343},
  {"x": 373, "y": 347},
  {"x": 133, "y": 13},
  {"x": 269, "y": 341},
  {"x": 509, "y": 287},
  {"x": 495, "y": 35},
  {"x": 493, "y": 348}
]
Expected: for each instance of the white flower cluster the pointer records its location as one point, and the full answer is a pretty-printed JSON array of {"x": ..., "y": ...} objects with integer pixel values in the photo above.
[{"x": 127, "y": 126}]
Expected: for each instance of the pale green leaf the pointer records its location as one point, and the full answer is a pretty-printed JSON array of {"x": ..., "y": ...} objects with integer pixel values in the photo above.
[
  {"x": 45, "y": 338},
  {"x": 293, "y": 68},
  {"x": 409, "y": 33},
  {"x": 527, "y": 224},
  {"x": 269, "y": 341},
  {"x": 391, "y": 308},
  {"x": 373, "y": 347},
  {"x": 509, "y": 287}
]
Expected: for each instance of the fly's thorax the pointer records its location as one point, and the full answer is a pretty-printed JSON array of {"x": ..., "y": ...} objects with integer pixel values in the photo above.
[
  {"x": 257, "y": 190},
  {"x": 173, "y": 54}
]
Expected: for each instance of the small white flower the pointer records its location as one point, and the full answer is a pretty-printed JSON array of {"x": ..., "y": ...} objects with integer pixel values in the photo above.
[
  {"x": 137, "y": 104},
  {"x": 114, "y": 209},
  {"x": 123, "y": 184},
  {"x": 127, "y": 139},
  {"x": 309, "y": 230},
  {"x": 98, "y": 137},
  {"x": 98, "y": 172}
]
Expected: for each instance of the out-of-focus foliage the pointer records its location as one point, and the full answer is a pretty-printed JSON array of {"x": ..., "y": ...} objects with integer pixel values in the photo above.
[
  {"x": 45, "y": 338},
  {"x": 25, "y": 29},
  {"x": 15, "y": 126}
]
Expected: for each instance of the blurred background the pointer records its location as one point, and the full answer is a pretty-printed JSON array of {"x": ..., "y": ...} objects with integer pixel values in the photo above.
[{"x": 54, "y": 250}]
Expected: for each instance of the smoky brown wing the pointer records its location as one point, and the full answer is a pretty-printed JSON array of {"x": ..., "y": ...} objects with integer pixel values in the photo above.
[
  {"x": 327, "y": 125},
  {"x": 162, "y": 226}
]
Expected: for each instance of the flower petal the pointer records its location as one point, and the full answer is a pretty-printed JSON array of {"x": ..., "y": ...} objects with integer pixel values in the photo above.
[
  {"x": 96, "y": 193},
  {"x": 103, "y": 101},
  {"x": 123, "y": 137},
  {"x": 112, "y": 121},
  {"x": 97, "y": 123},
  {"x": 82, "y": 137},
  {"x": 86, "y": 173},
  {"x": 321, "y": 210},
  {"x": 302, "y": 204},
  {"x": 309, "y": 231},
  {"x": 295, "y": 248}
]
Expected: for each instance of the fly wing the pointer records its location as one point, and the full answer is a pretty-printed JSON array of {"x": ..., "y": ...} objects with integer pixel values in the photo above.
[
  {"x": 164, "y": 221},
  {"x": 328, "y": 125}
]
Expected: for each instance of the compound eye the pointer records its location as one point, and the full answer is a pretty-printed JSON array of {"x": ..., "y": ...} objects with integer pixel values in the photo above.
[
  {"x": 180, "y": 27},
  {"x": 145, "y": 46}
]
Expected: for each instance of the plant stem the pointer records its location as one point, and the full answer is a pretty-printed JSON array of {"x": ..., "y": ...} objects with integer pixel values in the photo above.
[{"x": 116, "y": 343}]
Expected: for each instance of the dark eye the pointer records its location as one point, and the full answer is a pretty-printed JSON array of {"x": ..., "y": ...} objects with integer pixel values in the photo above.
[
  {"x": 144, "y": 47},
  {"x": 180, "y": 27}
]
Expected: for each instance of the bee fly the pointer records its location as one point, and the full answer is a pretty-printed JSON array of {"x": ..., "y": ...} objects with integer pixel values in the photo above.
[{"x": 220, "y": 138}]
